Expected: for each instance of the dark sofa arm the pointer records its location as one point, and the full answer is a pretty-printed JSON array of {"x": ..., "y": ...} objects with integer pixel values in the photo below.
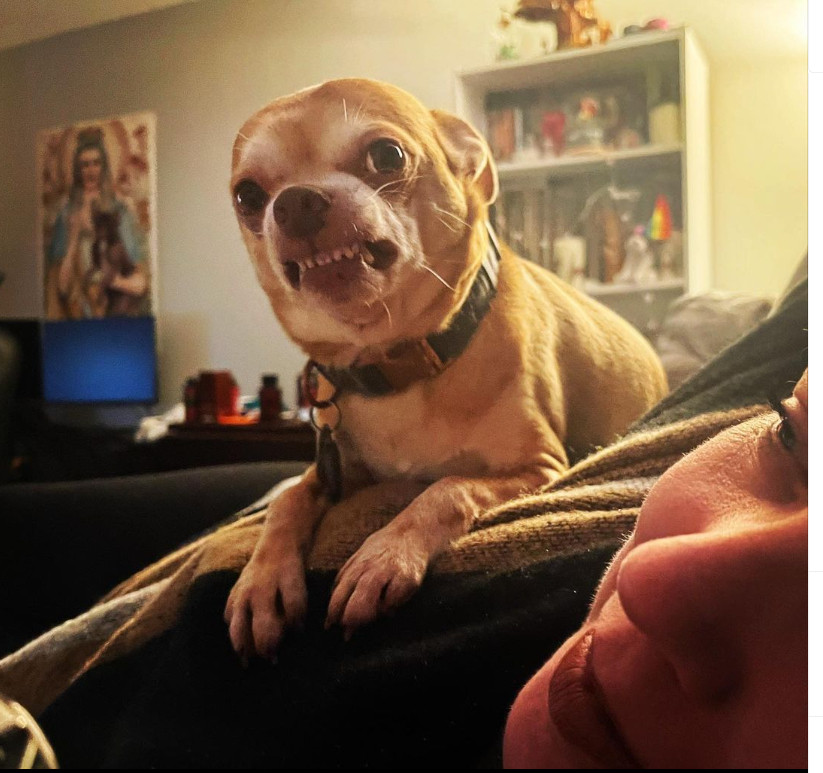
[{"x": 64, "y": 545}]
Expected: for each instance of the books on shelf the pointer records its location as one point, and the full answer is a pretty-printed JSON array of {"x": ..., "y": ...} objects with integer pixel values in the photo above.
[{"x": 505, "y": 134}]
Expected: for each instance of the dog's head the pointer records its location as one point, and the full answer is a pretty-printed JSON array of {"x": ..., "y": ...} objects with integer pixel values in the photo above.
[
  {"x": 362, "y": 212},
  {"x": 106, "y": 225}
]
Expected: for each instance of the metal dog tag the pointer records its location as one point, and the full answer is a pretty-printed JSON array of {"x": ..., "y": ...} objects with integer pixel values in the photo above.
[{"x": 329, "y": 467}]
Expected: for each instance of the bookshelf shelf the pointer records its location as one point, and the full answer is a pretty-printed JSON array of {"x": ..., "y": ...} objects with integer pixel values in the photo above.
[
  {"x": 626, "y": 176},
  {"x": 570, "y": 164},
  {"x": 597, "y": 291},
  {"x": 616, "y": 56}
]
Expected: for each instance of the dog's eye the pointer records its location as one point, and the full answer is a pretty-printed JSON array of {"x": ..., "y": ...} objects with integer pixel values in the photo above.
[
  {"x": 249, "y": 198},
  {"x": 384, "y": 157}
]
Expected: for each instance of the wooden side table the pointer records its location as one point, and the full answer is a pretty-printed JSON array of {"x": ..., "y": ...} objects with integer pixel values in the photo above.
[{"x": 199, "y": 445}]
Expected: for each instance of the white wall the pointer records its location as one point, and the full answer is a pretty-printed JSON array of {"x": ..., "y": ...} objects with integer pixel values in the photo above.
[
  {"x": 759, "y": 183},
  {"x": 204, "y": 67}
]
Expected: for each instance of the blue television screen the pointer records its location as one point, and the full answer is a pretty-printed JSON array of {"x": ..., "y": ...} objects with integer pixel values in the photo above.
[{"x": 110, "y": 360}]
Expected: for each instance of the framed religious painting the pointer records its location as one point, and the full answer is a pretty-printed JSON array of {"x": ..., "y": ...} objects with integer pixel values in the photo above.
[{"x": 97, "y": 218}]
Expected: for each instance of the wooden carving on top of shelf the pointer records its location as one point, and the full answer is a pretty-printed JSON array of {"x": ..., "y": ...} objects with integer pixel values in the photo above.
[{"x": 576, "y": 20}]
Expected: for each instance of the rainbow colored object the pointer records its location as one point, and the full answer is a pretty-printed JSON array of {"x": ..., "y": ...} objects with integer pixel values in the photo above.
[{"x": 659, "y": 227}]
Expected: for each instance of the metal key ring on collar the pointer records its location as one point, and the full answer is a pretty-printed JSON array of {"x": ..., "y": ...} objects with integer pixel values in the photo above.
[
  {"x": 309, "y": 368},
  {"x": 326, "y": 404}
]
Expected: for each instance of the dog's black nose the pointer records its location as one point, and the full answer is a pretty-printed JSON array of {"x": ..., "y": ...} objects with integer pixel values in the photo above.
[{"x": 300, "y": 212}]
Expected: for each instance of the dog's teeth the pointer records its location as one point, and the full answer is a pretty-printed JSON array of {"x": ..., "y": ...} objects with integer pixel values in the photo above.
[
  {"x": 308, "y": 263},
  {"x": 355, "y": 248},
  {"x": 337, "y": 255},
  {"x": 368, "y": 257},
  {"x": 348, "y": 252}
]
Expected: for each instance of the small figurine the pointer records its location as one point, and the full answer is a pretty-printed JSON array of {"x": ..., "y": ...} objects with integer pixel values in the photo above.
[
  {"x": 649, "y": 26},
  {"x": 660, "y": 224},
  {"x": 570, "y": 259},
  {"x": 576, "y": 21},
  {"x": 638, "y": 268},
  {"x": 586, "y": 132},
  {"x": 671, "y": 256},
  {"x": 553, "y": 127},
  {"x": 618, "y": 134}
]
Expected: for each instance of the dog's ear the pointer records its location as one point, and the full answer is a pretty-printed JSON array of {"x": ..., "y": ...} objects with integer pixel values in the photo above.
[{"x": 468, "y": 153}]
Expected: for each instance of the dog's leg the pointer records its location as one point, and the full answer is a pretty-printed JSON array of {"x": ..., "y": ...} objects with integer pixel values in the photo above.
[
  {"x": 390, "y": 565},
  {"x": 270, "y": 594}
]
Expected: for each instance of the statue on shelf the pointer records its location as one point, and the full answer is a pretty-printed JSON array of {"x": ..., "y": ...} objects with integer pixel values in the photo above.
[
  {"x": 671, "y": 256},
  {"x": 638, "y": 267},
  {"x": 576, "y": 20}
]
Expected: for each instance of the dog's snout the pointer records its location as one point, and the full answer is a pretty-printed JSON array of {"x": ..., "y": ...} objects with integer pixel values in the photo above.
[{"x": 300, "y": 211}]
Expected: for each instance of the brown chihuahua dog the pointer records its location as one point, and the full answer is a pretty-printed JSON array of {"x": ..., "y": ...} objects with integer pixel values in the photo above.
[{"x": 442, "y": 357}]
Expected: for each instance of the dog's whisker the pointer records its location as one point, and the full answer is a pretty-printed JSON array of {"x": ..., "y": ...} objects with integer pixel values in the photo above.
[
  {"x": 388, "y": 313},
  {"x": 455, "y": 262},
  {"x": 382, "y": 187},
  {"x": 449, "y": 225},
  {"x": 249, "y": 140},
  {"x": 345, "y": 111},
  {"x": 437, "y": 276},
  {"x": 450, "y": 214},
  {"x": 377, "y": 191},
  {"x": 401, "y": 181}
]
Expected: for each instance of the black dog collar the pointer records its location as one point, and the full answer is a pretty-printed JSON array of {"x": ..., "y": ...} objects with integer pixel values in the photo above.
[{"x": 412, "y": 360}]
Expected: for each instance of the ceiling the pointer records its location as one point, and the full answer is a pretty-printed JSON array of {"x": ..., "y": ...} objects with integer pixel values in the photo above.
[
  {"x": 24, "y": 21},
  {"x": 727, "y": 29}
]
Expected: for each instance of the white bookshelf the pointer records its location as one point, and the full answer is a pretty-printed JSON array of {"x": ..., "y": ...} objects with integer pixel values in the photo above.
[{"x": 639, "y": 58}]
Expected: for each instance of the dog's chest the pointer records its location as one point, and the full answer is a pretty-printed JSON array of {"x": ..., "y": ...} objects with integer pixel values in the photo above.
[{"x": 413, "y": 435}]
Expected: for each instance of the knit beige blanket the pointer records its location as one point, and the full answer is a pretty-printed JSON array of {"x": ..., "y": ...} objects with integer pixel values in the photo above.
[{"x": 594, "y": 503}]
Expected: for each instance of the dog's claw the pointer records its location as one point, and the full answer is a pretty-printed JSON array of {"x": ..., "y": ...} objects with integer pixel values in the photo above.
[
  {"x": 382, "y": 574},
  {"x": 267, "y": 599}
]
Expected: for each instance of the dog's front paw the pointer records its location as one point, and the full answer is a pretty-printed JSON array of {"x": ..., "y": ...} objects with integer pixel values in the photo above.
[
  {"x": 268, "y": 598},
  {"x": 384, "y": 572}
]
